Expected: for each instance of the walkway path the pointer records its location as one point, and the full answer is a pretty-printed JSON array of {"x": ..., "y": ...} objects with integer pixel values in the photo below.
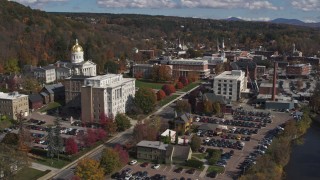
[{"x": 42, "y": 167}]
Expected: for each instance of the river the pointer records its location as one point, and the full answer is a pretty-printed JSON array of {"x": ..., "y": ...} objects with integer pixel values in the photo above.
[{"x": 304, "y": 161}]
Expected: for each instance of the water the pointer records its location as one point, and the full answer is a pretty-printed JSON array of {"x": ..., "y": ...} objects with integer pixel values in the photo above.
[{"x": 304, "y": 161}]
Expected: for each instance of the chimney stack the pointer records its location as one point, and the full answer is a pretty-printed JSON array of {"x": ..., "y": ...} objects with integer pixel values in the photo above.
[{"x": 274, "y": 88}]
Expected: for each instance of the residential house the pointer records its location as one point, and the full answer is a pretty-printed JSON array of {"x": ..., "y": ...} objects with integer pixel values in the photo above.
[
  {"x": 162, "y": 153},
  {"x": 35, "y": 101},
  {"x": 169, "y": 133},
  {"x": 53, "y": 93},
  {"x": 181, "y": 123}
]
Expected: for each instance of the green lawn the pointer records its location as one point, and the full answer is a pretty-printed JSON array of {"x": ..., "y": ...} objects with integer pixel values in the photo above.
[
  {"x": 214, "y": 168},
  {"x": 199, "y": 155},
  {"x": 141, "y": 83},
  {"x": 54, "y": 162},
  {"x": 50, "y": 106},
  {"x": 29, "y": 173},
  {"x": 167, "y": 100},
  {"x": 189, "y": 87}
]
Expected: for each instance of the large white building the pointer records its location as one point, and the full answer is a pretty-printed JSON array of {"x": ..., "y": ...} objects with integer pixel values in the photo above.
[
  {"x": 13, "y": 103},
  {"x": 109, "y": 94},
  {"x": 45, "y": 74},
  {"x": 230, "y": 84},
  {"x": 77, "y": 66}
]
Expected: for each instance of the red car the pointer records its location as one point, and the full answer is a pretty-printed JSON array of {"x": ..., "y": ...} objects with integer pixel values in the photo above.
[{"x": 145, "y": 164}]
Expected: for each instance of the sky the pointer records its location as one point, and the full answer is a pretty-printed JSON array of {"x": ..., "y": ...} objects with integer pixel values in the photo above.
[{"x": 251, "y": 10}]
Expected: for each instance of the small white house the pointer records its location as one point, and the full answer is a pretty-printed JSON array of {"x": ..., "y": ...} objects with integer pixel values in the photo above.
[{"x": 169, "y": 133}]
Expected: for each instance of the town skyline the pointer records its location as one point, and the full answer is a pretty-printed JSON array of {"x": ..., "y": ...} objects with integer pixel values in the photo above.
[{"x": 262, "y": 10}]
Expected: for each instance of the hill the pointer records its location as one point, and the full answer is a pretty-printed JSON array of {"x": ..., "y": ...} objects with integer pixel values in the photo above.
[{"x": 38, "y": 38}]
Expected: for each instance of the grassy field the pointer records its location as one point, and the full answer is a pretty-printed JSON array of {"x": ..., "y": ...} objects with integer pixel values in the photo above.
[
  {"x": 54, "y": 162},
  {"x": 29, "y": 173},
  {"x": 189, "y": 87},
  {"x": 214, "y": 168},
  {"x": 167, "y": 100},
  {"x": 140, "y": 83},
  {"x": 199, "y": 155}
]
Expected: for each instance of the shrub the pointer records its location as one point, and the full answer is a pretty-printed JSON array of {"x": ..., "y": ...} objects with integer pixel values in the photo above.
[
  {"x": 194, "y": 163},
  {"x": 179, "y": 85},
  {"x": 168, "y": 89},
  {"x": 161, "y": 94}
]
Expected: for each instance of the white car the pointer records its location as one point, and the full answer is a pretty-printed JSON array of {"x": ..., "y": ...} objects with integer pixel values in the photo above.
[
  {"x": 207, "y": 139},
  {"x": 197, "y": 119},
  {"x": 156, "y": 166},
  {"x": 128, "y": 176},
  {"x": 132, "y": 162}
]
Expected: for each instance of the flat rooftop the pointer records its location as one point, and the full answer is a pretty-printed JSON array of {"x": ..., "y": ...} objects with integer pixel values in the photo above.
[
  {"x": 230, "y": 75},
  {"x": 11, "y": 96}
]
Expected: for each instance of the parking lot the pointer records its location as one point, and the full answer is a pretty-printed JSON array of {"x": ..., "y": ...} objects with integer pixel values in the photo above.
[{"x": 166, "y": 171}]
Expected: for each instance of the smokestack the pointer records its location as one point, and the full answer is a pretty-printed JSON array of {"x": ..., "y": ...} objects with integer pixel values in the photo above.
[{"x": 274, "y": 88}]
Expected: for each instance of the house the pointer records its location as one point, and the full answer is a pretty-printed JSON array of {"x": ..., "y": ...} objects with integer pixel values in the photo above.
[
  {"x": 162, "y": 153},
  {"x": 181, "y": 123},
  {"x": 178, "y": 154},
  {"x": 152, "y": 151},
  {"x": 35, "y": 101},
  {"x": 53, "y": 93},
  {"x": 169, "y": 133},
  {"x": 45, "y": 74}
]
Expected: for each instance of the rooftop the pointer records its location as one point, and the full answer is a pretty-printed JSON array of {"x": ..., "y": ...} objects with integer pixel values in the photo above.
[
  {"x": 232, "y": 75},
  {"x": 11, "y": 96},
  {"x": 153, "y": 144}
]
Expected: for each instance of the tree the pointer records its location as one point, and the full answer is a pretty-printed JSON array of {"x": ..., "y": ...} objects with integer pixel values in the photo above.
[
  {"x": 11, "y": 139},
  {"x": 138, "y": 75},
  {"x": 299, "y": 85},
  {"x": 111, "y": 67},
  {"x": 193, "y": 76},
  {"x": 160, "y": 95},
  {"x": 183, "y": 106},
  {"x": 219, "y": 68},
  {"x": 89, "y": 169},
  {"x": 179, "y": 85},
  {"x": 168, "y": 89},
  {"x": 123, "y": 122},
  {"x": 71, "y": 146},
  {"x": 145, "y": 131},
  {"x": 207, "y": 107},
  {"x": 184, "y": 80},
  {"x": 110, "y": 160},
  {"x": 195, "y": 143},
  {"x": 123, "y": 154},
  {"x": 145, "y": 99},
  {"x": 161, "y": 73},
  {"x": 91, "y": 137},
  {"x": 11, "y": 159},
  {"x": 100, "y": 134},
  {"x": 55, "y": 141},
  {"x": 216, "y": 108},
  {"x": 12, "y": 66}
]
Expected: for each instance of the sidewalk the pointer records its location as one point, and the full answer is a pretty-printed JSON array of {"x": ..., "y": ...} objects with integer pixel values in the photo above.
[{"x": 42, "y": 167}]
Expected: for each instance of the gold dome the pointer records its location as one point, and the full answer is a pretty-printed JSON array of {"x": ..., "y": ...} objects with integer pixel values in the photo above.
[{"x": 76, "y": 47}]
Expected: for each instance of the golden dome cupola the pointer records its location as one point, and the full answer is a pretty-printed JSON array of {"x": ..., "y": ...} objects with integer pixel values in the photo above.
[
  {"x": 77, "y": 47},
  {"x": 77, "y": 53}
]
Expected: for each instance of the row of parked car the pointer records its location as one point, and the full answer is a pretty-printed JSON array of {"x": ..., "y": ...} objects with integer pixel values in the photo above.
[
  {"x": 261, "y": 149},
  {"x": 241, "y": 111},
  {"x": 225, "y": 143},
  {"x": 253, "y": 119}
]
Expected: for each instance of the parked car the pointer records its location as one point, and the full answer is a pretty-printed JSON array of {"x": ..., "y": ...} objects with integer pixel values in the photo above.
[
  {"x": 178, "y": 170},
  {"x": 145, "y": 164},
  {"x": 156, "y": 166},
  {"x": 132, "y": 162}
]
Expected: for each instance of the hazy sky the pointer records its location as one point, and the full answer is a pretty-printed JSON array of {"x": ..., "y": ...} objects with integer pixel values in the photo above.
[{"x": 305, "y": 10}]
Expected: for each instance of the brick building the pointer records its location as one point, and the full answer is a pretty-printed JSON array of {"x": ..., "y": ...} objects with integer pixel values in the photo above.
[{"x": 298, "y": 70}]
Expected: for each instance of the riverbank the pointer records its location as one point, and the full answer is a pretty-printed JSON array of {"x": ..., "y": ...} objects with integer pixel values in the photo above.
[
  {"x": 304, "y": 159},
  {"x": 271, "y": 165}
]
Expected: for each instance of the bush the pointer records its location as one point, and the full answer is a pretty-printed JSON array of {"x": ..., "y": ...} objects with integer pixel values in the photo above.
[
  {"x": 160, "y": 94},
  {"x": 168, "y": 89},
  {"x": 213, "y": 156},
  {"x": 194, "y": 163},
  {"x": 179, "y": 85}
]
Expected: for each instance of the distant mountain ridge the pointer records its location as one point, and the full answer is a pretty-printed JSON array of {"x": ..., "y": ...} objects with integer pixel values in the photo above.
[{"x": 295, "y": 22}]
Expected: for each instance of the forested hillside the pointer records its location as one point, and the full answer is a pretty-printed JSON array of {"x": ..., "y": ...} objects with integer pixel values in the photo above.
[{"x": 38, "y": 38}]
